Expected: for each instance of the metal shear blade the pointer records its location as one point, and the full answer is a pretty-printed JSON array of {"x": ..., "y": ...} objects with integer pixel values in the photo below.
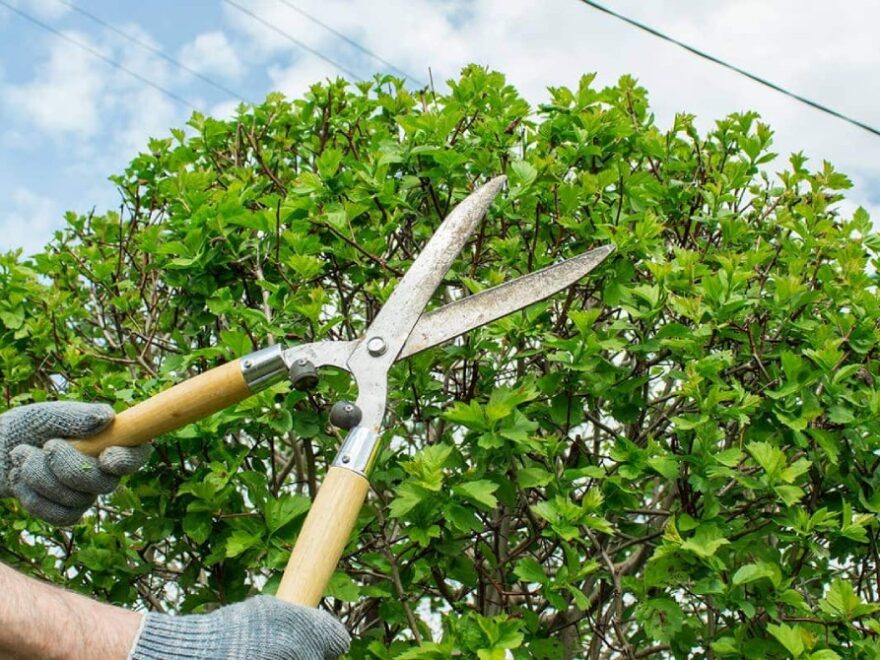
[{"x": 402, "y": 329}]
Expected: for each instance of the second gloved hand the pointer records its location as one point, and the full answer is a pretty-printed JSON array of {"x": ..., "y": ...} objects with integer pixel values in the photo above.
[
  {"x": 262, "y": 628},
  {"x": 50, "y": 478}
]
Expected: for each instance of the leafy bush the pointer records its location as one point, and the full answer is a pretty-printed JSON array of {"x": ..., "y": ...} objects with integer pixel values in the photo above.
[{"x": 676, "y": 457}]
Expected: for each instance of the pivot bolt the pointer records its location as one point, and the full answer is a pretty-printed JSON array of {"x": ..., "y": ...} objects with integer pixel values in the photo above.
[
  {"x": 345, "y": 415},
  {"x": 303, "y": 375},
  {"x": 376, "y": 346}
]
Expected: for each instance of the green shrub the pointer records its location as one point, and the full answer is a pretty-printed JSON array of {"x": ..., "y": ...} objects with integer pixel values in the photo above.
[{"x": 679, "y": 455}]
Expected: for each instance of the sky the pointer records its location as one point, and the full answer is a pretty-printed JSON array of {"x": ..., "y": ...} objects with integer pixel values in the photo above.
[{"x": 68, "y": 120}]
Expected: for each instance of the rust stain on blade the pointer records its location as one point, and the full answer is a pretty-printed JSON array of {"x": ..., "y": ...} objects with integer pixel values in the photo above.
[{"x": 456, "y": 318}]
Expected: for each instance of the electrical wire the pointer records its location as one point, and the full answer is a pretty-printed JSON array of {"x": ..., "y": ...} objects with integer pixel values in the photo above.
[
  {"x": 156, "y": 51},
  {"x": 350, "y": 41},
  {"x": 100, "y": 56},
  {"x": 762, "y": 81},
  {"x": 293, "y": 39}
]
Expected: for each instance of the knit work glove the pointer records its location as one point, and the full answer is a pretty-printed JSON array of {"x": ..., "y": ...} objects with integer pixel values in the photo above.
[
  {"x": 262, "y": 628},
  {"x": 50, "y": 478}
]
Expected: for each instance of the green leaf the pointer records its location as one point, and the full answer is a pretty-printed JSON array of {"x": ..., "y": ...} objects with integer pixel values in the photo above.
[
  {"x": 461, "y": 518},
  {"x": 670, "y": 532},
  {"x": 824, "y": 654},
  {"x": 501, "y": 632},
  {"x": 666, "y": 466},
  {"x": 529, "y": 570},
  {"x": 278, "y": 512},
  {"x": 198, "y": 525},
  {"x": 280, "y": 419},
  {"x": 241, "y": 541},
  {"x": 757, "y": 571},
  {"x": 307, "y": 183},
  {"x": 341, "y": 586},
  {"x": 828, "y": 442},
  {"x": 409, "y": 495},
  {"x": 725, "y": 646},
  {"x": 522, "y": 173},
  {"x": 840, "y": 415},
  {"x": 533, "y": 477},
  {"x": 789, "y": 494},
  {"x": 427, "y": 467},
  {"x": 662, "y": 618},
  {"x": 599, "y": 524},
  {"x": 789, "y": 636},
  {"x": 843, "y": 604},
  {"x": 328, "y": 162},
  {"x": 12, "y": 320},
  {"x": 504, "y": 400},
  {"x": 729, "y": 457},
  {"x": 771, "y": 459},
  {"x": 470, "y": 415},
  {"x": 479, "y": 491},
  {"x": 305, "y": 266},
  {"x": 705, "y": 542},
  {"x": 795, "y": 470},
  {"x": 853, "y": 526}
]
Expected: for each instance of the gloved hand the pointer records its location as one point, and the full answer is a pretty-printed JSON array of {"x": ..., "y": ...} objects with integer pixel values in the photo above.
[
  {"x": 262, "y": 627},
  {"x": 51, "y": 479}
]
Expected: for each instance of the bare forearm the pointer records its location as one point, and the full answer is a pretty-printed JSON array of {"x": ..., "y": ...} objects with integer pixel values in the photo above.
[{"x": 38, "y": 620}]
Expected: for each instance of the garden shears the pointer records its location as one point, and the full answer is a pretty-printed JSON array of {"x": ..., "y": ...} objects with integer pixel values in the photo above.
[{"x": 402, "y": 328}]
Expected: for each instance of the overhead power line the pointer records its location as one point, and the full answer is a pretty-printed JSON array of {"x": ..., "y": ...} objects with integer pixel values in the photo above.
[
  {"x": 351, "y": 42},
  {"x": 293, "y": 39},
  {"x": 156, "y": 51},
  {"x": 762, "y": 81},
  {"x": 99, "y": 55}
]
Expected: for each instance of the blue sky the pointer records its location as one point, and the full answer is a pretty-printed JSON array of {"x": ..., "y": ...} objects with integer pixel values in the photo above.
[{"x": 68, "y": 120}]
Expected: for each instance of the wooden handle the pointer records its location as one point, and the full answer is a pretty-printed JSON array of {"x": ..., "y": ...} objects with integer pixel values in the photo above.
[
  {"x": 324, "y": 536},
  {"x": 177, "y": 406}
]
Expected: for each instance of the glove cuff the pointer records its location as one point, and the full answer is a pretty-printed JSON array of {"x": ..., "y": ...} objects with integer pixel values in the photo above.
[
  {"x": 261, "y": 627},
  {"x": 6, "y": 446},
  {"x": 162, "y": 636}
]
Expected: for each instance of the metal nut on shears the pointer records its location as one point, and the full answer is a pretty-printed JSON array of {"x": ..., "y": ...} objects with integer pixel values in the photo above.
[
  {"x": 303, "y": 375},
  {"x": 345, "y": 415}
]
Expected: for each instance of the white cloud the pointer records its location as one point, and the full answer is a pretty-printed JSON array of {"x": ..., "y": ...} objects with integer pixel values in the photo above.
[
  {"x": 212, "y": 53},
  {"x": 264, "y": 42},
  {"x": 101, "y": 115},
  {"x": 64, "y": 95},
  {"x": 295, "y": 79},
  {"x": 47, "y": 9},
  {"x": 140, "y": 112},
  {"x": 224, "y": 109},
  {"x": 18, "y": 140},
  {"x": 29, "y": 221},
  {"x": 148, "y": 114},
  {"x": 92, "y": 117}
]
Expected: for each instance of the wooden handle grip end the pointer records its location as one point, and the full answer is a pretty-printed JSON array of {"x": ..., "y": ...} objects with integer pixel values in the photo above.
[
  {"x": 171, "y": 409},
  {"x": 323, "y": 538}
]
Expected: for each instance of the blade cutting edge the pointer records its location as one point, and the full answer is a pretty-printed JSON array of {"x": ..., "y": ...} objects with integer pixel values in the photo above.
[{"x": 457, "y": 318}]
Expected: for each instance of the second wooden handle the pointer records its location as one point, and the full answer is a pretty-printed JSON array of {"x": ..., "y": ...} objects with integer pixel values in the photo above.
[
  {"x": 188, "y": 402},
  {"x": 323, "y": 538}
]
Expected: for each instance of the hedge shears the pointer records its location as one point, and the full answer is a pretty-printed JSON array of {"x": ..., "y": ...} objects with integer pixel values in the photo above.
[{"x": 402, "y": 328}]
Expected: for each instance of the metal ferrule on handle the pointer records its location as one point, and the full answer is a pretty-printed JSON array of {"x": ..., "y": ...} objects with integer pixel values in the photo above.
[
  {"x": 263, "y": 368},
  {"x": 359, "y": 451}
]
